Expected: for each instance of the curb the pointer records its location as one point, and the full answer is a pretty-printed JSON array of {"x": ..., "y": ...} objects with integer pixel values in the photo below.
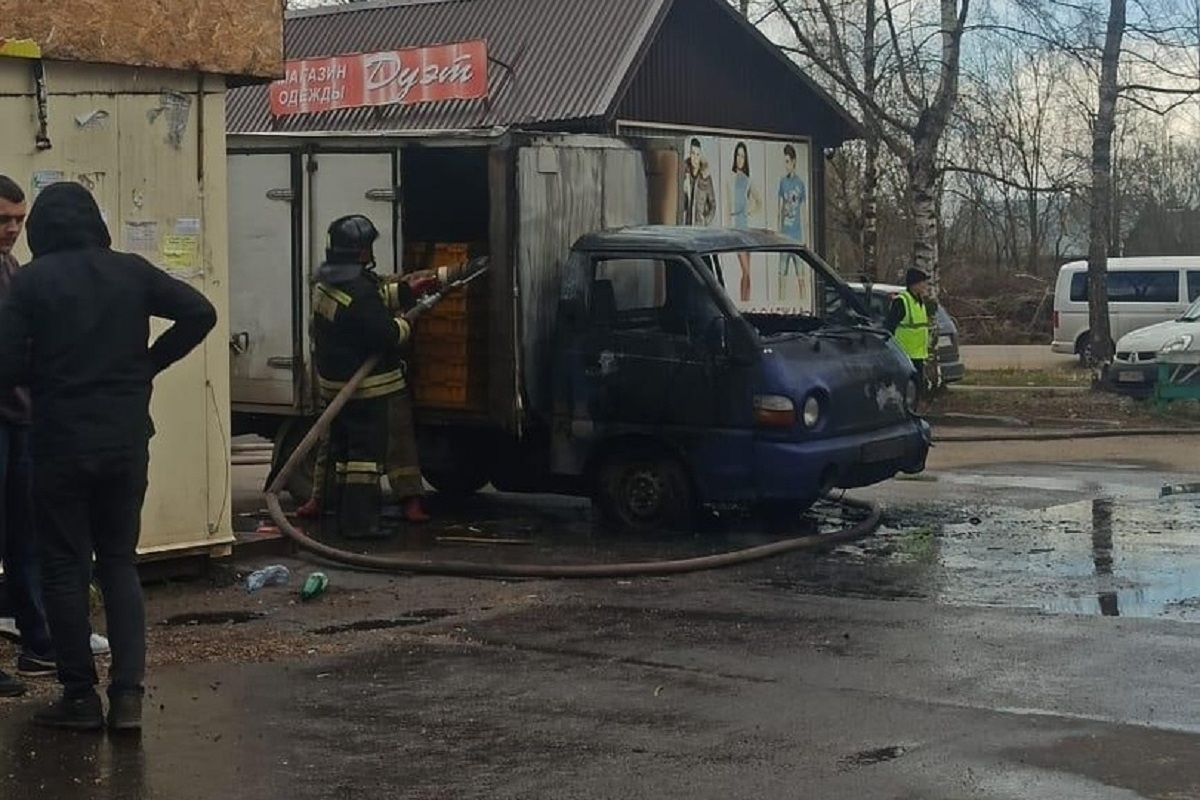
[
  {"x": 1065, "y": 435},
  {"x": 1051, "y": 391},
  {"x": 956, "y": 420}
]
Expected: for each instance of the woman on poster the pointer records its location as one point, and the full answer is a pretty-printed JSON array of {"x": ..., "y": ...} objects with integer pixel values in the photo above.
[{"x": 744, "y": 202}]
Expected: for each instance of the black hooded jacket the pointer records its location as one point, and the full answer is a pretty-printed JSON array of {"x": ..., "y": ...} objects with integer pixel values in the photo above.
[{"x": 75, "y": 329}]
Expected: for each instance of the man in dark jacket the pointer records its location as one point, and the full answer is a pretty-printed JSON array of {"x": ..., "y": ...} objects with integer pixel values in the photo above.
[
  {"x": 21, "y": 573},
  {"x": 351, "y": 322},
  {"x": 74, "y": 329}
]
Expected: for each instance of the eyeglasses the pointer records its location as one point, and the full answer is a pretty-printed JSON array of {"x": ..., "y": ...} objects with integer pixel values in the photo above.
[{"x": 7, "y": 219}]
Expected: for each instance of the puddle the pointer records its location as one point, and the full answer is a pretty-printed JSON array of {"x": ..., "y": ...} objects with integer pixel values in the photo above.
[
  {"x": 212, "y": 618},
  {"x": 1114, "y": 557},
  {"x": 404, "y": 621},
  {"x": 1135, "y": 558}
]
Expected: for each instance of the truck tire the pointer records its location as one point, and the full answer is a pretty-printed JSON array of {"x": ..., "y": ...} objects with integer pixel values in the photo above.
[
  {"x": 458, "y": 482},
  {"x": 456, "y": 463},
  {"x": 643, "y": 491},
  {"x": 287, "y": 439}
]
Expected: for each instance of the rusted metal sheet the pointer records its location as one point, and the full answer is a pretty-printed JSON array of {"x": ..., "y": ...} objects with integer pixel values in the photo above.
[
  {"x": 229, "y": 37},
  {"x": 548, "y": 60},
  {"x": 710, "y": 68},
  {"x": 566, "y": 187}
]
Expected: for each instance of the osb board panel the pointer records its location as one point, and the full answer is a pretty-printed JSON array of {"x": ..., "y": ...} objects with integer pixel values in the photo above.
[{"x": 230, "y": 37}]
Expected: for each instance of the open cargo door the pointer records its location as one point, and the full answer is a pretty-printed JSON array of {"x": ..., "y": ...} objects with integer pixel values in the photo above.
[
  {"x": 263, "y": 226},
  {"x": 354, "y": 183}
]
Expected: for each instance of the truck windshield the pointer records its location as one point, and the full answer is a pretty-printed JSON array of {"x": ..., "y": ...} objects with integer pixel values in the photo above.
[
  {"x": 783, "y": 291},
  {"x": 1192, "y": 314}
]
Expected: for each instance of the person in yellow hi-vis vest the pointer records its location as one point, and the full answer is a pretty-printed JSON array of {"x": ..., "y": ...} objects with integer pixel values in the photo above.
[{"x": 908, "y": 321}]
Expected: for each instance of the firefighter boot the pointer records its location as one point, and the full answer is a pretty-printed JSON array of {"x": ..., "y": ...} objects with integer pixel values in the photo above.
[
  {"x": 413, "y": 511},
  {"x": 358, "y": 512}
]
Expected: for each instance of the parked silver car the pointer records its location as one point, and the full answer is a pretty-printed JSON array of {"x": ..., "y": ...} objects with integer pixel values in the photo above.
[{"x": 881, "y": 298}]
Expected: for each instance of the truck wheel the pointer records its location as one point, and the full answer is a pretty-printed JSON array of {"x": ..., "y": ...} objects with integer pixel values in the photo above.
[
  {"x": 457, "y": 483},
  {"x": 644, "y": 492},
  {"x": 300, "y": 484}
]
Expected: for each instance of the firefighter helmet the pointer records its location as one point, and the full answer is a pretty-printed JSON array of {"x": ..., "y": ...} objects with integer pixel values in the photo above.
[{"x": 352, "y": 235}]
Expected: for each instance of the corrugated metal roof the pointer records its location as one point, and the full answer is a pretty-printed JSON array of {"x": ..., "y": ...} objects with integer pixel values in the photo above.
[{"x": 549, "y": 60}]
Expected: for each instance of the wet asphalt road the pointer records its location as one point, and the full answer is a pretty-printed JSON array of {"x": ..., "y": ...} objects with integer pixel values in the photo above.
[{"x": 1022, "y": 627}]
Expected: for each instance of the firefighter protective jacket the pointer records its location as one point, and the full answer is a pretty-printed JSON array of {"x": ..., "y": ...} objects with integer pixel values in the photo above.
[{"x": 351, "y": 322}]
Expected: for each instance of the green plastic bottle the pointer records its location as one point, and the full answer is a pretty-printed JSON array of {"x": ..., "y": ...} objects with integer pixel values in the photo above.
[{"x": 314, "y": 586}]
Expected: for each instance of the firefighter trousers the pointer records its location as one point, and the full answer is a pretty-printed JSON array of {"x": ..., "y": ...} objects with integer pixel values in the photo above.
[
  {"x": 402, "y": 464},
  {"x": 357, "y": 451}
]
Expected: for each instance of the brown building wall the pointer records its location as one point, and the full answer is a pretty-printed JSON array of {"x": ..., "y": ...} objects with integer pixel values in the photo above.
[{"x": 230, "y": 37}]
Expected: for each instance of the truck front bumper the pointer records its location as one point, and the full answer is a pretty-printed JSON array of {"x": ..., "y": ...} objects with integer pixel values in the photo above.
[{"x": 802, "y": 470}]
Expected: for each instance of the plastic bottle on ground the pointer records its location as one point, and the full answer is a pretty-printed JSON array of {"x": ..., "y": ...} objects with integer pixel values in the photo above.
[{"x": 274, "y": 575}]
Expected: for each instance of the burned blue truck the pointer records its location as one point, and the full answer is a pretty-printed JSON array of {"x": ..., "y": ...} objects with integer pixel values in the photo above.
[
  {"x": 599, "y": 356},
  {"x": 668, "y": 397}
]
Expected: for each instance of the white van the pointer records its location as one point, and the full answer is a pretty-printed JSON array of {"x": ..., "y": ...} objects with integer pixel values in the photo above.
[{"x": 1141, "y": 292}]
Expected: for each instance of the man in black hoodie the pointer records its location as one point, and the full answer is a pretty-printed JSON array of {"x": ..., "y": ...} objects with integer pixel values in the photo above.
[{"x": 74, "y": 329}]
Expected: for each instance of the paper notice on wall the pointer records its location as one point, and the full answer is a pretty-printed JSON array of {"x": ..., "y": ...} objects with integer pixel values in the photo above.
[
  {"x": 141, "y": 236},
  {"x": 44, "y": 177},
  {"x": 180, "y": 253},
  {"x": 187, "y": 226}
]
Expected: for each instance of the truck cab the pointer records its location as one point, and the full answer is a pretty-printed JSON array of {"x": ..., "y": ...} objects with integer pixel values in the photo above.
[{"x": 668, "y": 396}]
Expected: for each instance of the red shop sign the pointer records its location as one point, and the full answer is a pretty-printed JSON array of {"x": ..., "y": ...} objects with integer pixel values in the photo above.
[{"x": 394, "y": 77}]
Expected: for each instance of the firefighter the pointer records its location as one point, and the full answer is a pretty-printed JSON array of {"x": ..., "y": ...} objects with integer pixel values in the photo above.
[
  {"x": 351, "y": 322},
  {"x": 400, "y": 463}
]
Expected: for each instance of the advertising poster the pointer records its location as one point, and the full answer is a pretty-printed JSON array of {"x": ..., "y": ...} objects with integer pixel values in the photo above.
[
  {"x": 701, "y": 182},
  {"x": 740, "y": 182},
  {"x": 742, "y": 174},
  {"x": 789, "y": 211}
]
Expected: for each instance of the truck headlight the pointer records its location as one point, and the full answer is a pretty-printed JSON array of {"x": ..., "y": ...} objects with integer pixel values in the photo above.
[
  {"x": 774, "y": 411},
  {"x": 811, "y": 414},
  {"x": 1177, "y": 344}
]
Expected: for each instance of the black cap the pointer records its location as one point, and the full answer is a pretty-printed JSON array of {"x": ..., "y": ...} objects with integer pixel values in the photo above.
[{"x": 914, "y": 276}]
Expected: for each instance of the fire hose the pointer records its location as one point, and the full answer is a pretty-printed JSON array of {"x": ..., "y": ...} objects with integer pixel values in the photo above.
[{"x": 859, "y": 529}]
